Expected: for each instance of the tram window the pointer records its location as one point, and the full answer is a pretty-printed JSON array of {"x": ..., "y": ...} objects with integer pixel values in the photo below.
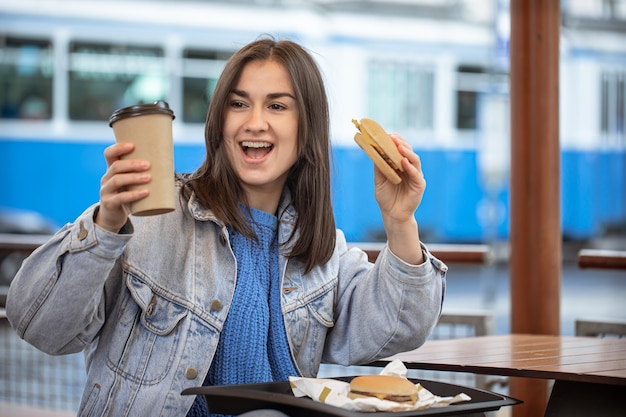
[
  {"x": 401, "y": 94},
  {"x": 104, "y": 77},
  {"x": 470, "y": 80},
  {"x": 201, "y": 69},
  {"x": 613, "y": 103},
  {"x": 26, "y": 71},
  {"x": 466, "y": 109}
]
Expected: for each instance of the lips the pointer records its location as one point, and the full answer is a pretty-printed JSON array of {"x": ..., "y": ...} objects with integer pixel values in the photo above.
[{"x": 256, "y": 149}]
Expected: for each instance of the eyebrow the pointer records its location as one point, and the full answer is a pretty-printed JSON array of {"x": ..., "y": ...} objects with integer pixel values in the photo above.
[{"x": 244, "y": 94}]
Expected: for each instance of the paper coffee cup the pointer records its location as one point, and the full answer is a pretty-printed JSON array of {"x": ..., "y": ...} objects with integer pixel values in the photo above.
[{"x": 149, "y": 127}]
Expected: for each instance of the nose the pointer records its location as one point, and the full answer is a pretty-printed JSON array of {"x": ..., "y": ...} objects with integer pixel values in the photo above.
[{"x": 256, "y": 122}]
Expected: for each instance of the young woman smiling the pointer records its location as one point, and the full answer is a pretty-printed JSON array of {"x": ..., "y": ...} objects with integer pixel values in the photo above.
[{"x": 248, "y": 280}]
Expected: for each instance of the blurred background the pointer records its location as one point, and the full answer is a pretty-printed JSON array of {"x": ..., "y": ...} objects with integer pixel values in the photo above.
[{"x": 435, "y": 71}]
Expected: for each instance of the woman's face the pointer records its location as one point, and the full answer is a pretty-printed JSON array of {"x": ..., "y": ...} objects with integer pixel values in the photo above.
[{"x": 260, "y": 130}]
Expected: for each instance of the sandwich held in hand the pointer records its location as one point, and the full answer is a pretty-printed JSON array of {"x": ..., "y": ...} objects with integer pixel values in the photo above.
[
  {"x": 381, "y": 149},
  {"x": 384, "y": 387}
]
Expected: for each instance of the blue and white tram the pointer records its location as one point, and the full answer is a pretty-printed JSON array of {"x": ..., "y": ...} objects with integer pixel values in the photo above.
[{"x": 62, "y": 73}]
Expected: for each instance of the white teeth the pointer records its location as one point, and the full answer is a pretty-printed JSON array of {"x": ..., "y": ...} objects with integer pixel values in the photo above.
[{"x": 250, "y": 144}]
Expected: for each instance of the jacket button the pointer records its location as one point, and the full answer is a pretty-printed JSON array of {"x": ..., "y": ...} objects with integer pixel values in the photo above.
[
  {"x": 191, "y": 373},
  {"x": 82, "y": 234},
  {"x": 216, "y": 305}
]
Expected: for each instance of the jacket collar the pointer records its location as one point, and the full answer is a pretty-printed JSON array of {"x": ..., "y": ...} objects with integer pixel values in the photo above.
[{"x": 286, "y": 211}]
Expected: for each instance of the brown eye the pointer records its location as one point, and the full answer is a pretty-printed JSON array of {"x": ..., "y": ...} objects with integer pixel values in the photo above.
[{"x": 277, "y": 107}]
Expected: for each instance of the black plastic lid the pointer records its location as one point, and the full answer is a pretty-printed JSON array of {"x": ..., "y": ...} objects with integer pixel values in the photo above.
[{"x": 158, "y": 107}]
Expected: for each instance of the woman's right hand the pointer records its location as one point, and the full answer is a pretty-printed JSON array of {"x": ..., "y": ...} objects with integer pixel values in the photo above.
[{"x": 114, "y": 195}]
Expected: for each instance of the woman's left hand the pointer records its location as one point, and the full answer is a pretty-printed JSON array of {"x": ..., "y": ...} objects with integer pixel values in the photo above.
[{"x": 398, "y": 203}]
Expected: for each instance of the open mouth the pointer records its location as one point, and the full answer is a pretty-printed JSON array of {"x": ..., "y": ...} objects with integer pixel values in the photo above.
[{"x": 256, "y": 150}]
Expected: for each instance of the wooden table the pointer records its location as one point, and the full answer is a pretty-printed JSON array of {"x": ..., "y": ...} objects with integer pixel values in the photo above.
[
  {"x": 602, "y": 258},
  {"x": 589, "y": 373}
]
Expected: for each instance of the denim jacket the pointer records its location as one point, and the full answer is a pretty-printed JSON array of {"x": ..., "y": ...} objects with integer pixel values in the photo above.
[{"x": 147, "y": 305}]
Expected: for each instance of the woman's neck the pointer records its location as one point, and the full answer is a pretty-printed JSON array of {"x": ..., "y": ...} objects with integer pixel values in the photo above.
[{"x": 266, "y": 201}]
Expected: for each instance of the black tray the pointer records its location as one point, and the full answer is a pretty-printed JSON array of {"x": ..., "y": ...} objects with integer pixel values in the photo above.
[{"x": 237, "y": 399}]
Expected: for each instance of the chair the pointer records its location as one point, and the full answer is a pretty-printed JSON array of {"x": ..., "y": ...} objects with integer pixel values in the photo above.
[{"x": 601, "y": 328}]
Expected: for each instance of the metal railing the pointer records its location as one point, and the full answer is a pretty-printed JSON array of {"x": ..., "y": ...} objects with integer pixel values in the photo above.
[{"x": 31, "y": 377}]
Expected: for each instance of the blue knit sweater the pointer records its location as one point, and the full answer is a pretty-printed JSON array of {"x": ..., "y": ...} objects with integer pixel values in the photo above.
[{"x": 253, "y": 344}]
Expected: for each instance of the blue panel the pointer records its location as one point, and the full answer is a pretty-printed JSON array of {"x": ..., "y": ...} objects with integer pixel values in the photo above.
[
  {"x": 463, "y": 196},
  {"x": 447, "y": 212},
  {"x": 578, "y": 174},
  {"x": 187, "y": 157},
  {"x": 59, "y": 180},
  {"x": 356, "y": 211},
  {"x": 612, "y": 211}
]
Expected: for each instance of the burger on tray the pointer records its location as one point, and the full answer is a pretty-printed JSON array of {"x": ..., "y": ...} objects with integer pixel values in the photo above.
[
  {"x": 384, "y": 387},
  {"x": 388, "y": 391}
]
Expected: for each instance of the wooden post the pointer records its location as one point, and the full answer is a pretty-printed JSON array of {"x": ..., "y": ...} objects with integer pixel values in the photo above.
[{"x": 535, "y": 233}]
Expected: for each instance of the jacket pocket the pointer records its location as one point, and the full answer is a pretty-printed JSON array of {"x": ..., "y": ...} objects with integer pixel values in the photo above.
[
  {"x": 90, "y": 400},
  {"x": 308, "y": 325},
  {"x": 148, "y": 332}
]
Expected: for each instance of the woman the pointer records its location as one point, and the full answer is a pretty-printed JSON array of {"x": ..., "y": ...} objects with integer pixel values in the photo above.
[{"x": 248, "y": 280}]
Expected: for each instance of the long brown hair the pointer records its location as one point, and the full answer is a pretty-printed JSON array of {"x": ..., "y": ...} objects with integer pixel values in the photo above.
[{"x": 217, "y": 186}]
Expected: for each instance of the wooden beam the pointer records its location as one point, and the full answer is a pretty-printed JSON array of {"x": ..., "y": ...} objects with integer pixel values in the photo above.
[
  {"x": 535, "y": 234},
  {"x": 13, "y": 242},
  {"x": 602, "y": 258},
  {"x": 446, "y": 252}
]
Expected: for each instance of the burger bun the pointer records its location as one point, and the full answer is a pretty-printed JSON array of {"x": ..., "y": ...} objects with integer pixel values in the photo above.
[
  {"x": 383, "y": 387},
  {"x": 380, "y": 148}
]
